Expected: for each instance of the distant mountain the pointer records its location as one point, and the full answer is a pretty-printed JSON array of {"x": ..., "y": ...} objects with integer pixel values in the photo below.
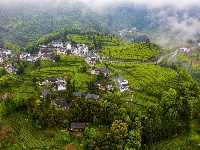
[{"x": 24, "y": 22}]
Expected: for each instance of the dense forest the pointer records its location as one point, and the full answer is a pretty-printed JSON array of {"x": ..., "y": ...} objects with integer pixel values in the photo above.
[{"x": 27, "y": 21}]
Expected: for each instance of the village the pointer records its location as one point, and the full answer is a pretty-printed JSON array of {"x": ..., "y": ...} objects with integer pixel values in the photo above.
[
  {"x": 47, "y": 53},
  {"x": 59, "y": 83}
]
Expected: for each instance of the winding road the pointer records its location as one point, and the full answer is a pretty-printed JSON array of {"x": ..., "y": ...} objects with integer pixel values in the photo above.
[{"x": 170, "y": 55}]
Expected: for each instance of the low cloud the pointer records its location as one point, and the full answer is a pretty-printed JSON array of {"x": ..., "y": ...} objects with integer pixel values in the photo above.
[
  {"x": 102, "y": 3},
  {"x": 178, "y": 28},
  {"x": 148, "y": 3}
]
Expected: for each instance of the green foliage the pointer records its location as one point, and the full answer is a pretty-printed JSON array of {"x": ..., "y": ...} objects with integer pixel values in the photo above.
[
  {"x": 162, "y": 102},
  {"x": 119, "y": 130},
  {"x": 131, "y": 52},
  {"x": 89, "y": 132},
  {"x": 168, "y": 98},
  {"x": 13, "y": 104},
  {"x": 2, "y": 72},
  {"x": 2, "y": 112},
  {"x": 37, "y": 64},
  {"x": 141, "y": 38},
  {"x": 32, "y": 47},
  {"x": 10, "y": 46},
  {"x": 63, "y": 137}
]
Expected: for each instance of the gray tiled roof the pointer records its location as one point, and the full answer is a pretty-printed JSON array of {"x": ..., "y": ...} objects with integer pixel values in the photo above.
[
  {"x": 62, "y": 103},
  {"x": 104, "y": 70},
  {"x": 121, "y": 79},
  {"x": 78, "y": 93},
  {"x": 79, "y": 125},
  {"x": 92, "y": 96},
  {"x": 45, "y": 92}
]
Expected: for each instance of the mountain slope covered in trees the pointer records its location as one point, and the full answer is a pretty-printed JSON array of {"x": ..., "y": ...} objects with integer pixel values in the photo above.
[{"x": 24, "y": 22}]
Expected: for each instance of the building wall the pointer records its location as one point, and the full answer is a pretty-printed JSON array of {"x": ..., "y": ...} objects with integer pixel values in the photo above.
[{"x": 57, "y": 44}]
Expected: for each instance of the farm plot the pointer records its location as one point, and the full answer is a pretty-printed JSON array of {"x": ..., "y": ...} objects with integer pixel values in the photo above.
[
  {"x": 148, "y": 81},
  {"x": 87, "y": 39},
  {"x": 30, "y": 141},
  {"x": 131, "y": 53}
]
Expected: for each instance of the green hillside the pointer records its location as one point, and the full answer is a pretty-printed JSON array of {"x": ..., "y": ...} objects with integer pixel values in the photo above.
[{"x": 160, "y": 109}]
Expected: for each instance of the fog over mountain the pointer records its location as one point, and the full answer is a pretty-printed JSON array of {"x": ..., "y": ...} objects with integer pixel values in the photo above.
[
  {"x": 179, "y": 18},
  {"x": 99, "y": 3}
]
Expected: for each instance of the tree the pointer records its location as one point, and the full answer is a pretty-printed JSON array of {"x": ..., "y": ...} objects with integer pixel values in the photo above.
[
  {"x": 57, "y": 58},
  {"x": 168, "y": 98},
  {"x": 83, "y": 68},
  {"x": 20, "y": 71},
  {"x": 1, "y": 113},
  {"x": 141, "y": 38},
  {"x": 89, "y": 132},
  {"x": 13, "y": 104},
  {"x": 63, "y": 137},
  {"x": 119, "y": 131},
  {"x": 134, "y": 138},
  {"x": 73, "y": 43},
  {"x": 121, "y": 114},
  {"x": 2, "y": 72},
  {"x": 37, "y": 64},
  {"x": 197, "y": 57}
]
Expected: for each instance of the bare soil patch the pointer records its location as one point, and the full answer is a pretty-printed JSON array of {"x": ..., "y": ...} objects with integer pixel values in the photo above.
[
  {"x": 71, "y": 147},
  {"x": 5, "y": 132}
]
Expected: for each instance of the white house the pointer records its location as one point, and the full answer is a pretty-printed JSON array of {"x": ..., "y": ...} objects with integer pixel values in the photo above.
[
  {"x": 104, "y": 85},
  {"x": 7, "y": 52},
  {"x": 57, "y": 44},
  {"x": 61, "y": 50},
  {"x": 11, "y": 69},
  {"x": 97, "y": 71},
  {"x": 83, "y": 50},
  {"x": 1, "y": 60},
  {"x": 69, "y": 46},
  {"x": 184, "y": 50},
  {"x": 42, "y": 46},
  {"x": 123, "y": 84},
  {"x": 74, "y": 50},
  {"x": 31, "y": 58},
  {"x": 122, "y": 80},
  {"x": 59, "y": 81},
  {"x": 93, "y": 56},
  {"x": 2, "y": 54},
  {"x": 24, "y": 55},
  {"x": 80, "y": 45},
  {"x": 61, "y": 86}
]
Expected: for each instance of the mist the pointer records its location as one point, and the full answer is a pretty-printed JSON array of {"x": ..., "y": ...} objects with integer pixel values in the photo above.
[
  {"x": 101, "y": 3},
  {"x": 173, "y": 17}
]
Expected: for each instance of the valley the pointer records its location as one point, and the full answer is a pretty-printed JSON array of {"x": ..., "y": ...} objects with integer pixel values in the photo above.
[
  {"x": 75, "y": 85},
  {"x": 99, "y": 75}
]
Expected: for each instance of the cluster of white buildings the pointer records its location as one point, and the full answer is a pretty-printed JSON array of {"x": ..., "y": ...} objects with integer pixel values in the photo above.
[
  {"x": 184, "y": 50},
  {"x": 80, "y": 49},
  {"x": 45, "y": 52},
  {"x": 60, "y": 83},
  {"x": 124, "y": 31},
  {"x": 5, "y": 53}
]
